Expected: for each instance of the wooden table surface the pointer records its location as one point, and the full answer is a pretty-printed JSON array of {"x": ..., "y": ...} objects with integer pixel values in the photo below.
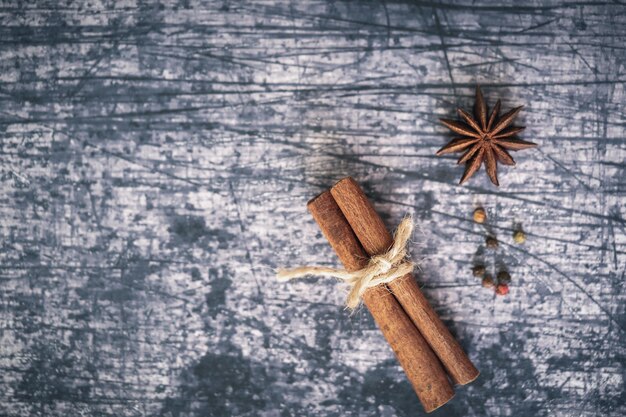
[{"x": 157, "y": 158}]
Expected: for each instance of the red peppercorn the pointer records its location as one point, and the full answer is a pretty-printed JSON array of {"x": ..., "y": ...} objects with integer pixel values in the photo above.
[{"x": 502, "y": 289}]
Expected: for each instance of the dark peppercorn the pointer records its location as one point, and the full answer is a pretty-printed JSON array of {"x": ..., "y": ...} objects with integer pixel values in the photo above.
[
  {"x": 504, "y": 277},
  {"x": 478, "y": 271},
  {"x": 491, "y": 242}
]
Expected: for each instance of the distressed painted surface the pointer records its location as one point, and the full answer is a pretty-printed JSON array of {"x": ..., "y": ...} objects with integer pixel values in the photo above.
[{"x": 156, "y": 163}]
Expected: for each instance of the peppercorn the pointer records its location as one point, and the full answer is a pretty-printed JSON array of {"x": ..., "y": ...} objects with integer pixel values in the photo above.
[
  {"x": 491, "y": 242},
  {"x": 519, "y": 236},
  {"x": 488, "y": 282},
  {"x": 502, "y": 289},
  {"x": 478, "y": 271},
  {"x": 479, "y": 215},
  {"x": 504, "y": 277}
]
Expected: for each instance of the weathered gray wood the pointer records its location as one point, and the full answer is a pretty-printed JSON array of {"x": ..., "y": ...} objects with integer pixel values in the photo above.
[{"x": 156, "y": 162}]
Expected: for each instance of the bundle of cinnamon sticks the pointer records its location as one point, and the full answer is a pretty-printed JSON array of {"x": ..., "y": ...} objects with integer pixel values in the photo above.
[{"x": 422, "y": 343}]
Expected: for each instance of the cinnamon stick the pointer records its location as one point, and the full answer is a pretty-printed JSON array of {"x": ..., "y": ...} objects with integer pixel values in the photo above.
[
  {"x": 375, "y": 239},
  {"x": 420, "y": 364}
]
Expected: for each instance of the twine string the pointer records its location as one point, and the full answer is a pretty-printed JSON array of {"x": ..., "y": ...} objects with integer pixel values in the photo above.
[{"x": 381, "y": 269}]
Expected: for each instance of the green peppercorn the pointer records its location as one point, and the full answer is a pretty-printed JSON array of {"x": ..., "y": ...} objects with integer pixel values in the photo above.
[{"x": 519, "y": 236}]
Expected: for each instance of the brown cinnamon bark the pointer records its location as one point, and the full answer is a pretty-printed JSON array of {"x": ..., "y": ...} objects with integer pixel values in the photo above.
[
  {"x": 375, "y": 239},
  {"x": 420, "y": 364}
]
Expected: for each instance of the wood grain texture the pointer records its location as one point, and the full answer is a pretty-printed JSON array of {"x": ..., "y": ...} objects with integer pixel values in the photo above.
[
  {"x": 422, "y": 368},
  {"x": 156, "y": 162}
]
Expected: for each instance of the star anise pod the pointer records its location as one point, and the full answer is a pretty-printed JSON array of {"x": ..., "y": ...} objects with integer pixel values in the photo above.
[{"x": 484, "y": 139}]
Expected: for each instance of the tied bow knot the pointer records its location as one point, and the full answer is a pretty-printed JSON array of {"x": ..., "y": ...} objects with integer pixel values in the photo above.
[{"x": 381, "y": 269}]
